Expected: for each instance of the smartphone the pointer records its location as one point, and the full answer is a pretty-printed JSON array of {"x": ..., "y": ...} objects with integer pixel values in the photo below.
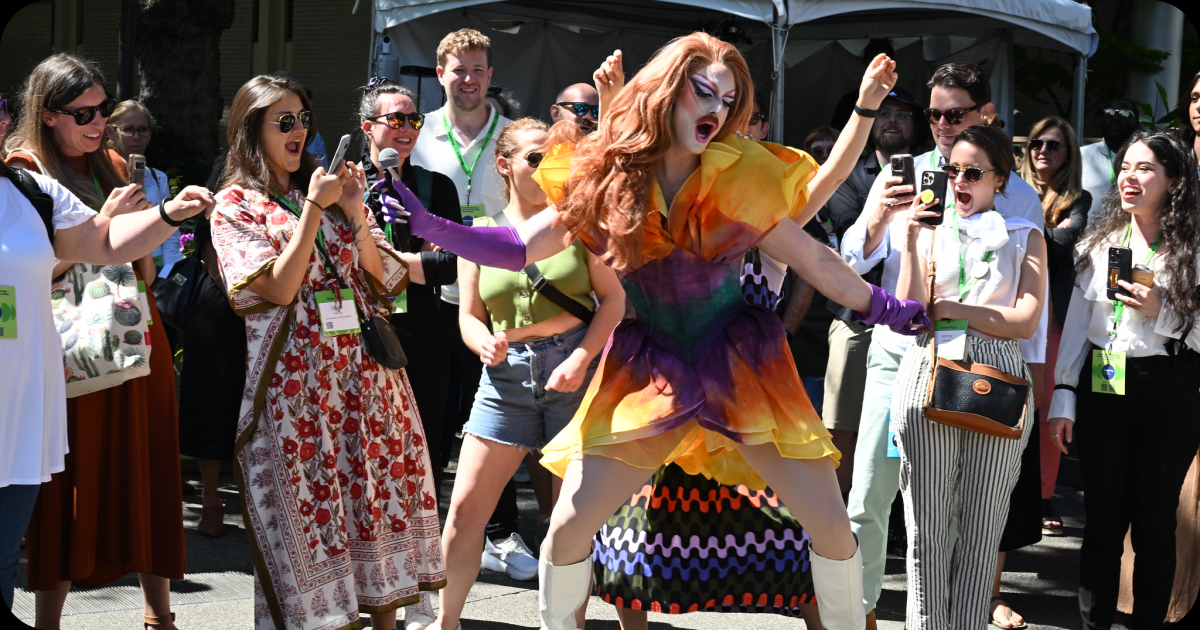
[
  {"x": 902, "y": 167},
  {"x": 136, "y": 168},
  {"x": 1143, "y": 275},
  {"x": 933, "y": 186},
  {"x": 1120, "y": 267},
  {"x": 338, "y": 155}
]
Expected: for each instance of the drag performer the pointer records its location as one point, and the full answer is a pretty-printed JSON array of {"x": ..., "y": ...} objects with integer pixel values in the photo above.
[{"x": 672, "y": 199}]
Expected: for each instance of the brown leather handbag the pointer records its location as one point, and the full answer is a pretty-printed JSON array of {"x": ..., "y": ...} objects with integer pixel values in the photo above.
[{"x": 972, "y": 396}]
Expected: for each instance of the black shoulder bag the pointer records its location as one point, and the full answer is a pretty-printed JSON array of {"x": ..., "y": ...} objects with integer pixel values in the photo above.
[{"x": 543, "y": 286}]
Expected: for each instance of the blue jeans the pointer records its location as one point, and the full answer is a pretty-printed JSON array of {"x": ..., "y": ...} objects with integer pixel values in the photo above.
[{"x": 16, "y": 508}]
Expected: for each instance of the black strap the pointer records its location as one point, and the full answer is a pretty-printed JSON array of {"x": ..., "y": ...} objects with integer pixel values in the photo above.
[
  {"x": 560, "y": 299},
  {"x": 43, "y": 203},
  {"x": 1070, "y": 388}
]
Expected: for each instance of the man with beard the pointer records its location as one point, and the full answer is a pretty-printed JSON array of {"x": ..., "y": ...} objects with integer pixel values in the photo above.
[
  {"x": 580, "y": 104},
  {"x": 1120, "y": 120}
]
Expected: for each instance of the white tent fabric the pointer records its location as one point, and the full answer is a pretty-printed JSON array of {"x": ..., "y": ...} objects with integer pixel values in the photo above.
[{"x": 389, "y": 13}]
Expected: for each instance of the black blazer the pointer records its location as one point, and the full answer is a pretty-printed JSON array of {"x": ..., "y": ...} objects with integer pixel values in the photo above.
[{"x": 1060, "y": 255}]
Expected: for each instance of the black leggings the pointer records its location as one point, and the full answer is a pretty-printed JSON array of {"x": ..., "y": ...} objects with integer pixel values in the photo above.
[{"x": 1134, "y": 451}]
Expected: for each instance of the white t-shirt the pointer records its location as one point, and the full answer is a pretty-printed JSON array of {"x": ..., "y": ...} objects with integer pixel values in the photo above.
[
  {"x": 433, "y": 152},
  {"x": 33, "y": 392},
  {"x": 1098, "y": 172}
]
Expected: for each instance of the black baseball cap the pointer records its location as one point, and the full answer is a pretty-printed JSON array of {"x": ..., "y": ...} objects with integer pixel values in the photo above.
[{"x": 904, "y": 96}]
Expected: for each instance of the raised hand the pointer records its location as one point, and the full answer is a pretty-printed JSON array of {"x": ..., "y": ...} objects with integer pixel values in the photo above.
[
  {"x": 879, "y": 79},
  {"x": 190, "y": 201},
  {"x": 324, "y": 189},
  {"x": 124, "y": 200},
  {"x": 609, "y": 79},
  {"x": 353, "y": 182}
]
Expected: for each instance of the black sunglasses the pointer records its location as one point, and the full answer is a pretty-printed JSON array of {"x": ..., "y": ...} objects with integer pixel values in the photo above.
[
  {"x": 757, "y": 118},
  {"x": 84, "y": 115},
  {"x": 395, "y": 120},
  {"x": 582, "y": 109},
  {"x": 970, "y": 173},
  {"x": 953, "y": 116},
  {"x": 1050, "y": 145},
  {"x": 534, "y": 158},
  {"x": 287, "y": 122},
  {"x": 1113, "y": 113}
]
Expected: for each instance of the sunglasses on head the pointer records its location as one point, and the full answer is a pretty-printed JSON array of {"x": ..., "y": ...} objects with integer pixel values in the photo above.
[
  {"x": 395, "y": 120},
  {"x": 1114, "y": 113},
  {"x": 287, "y": 122},
  {"x": 1049, "y": 145},
  {"x": 970, "y": 173},
  {"x": 581, "y": 109},
  {"x": 84, "y": 115},
  {"x": 534, "y": 158},
  {"x": 953, "y": 116}
]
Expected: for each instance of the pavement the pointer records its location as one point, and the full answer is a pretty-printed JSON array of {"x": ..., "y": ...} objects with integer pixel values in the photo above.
[{"x": 1039, "y": 582}]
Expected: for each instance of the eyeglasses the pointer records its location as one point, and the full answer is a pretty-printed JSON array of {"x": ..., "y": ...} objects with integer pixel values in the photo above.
[
  {"x": 84, "y": 115},
  {"x": 581, "y": 109},
  {"x": 896, "y": 115},
  {"x": 970, "y": 173},
  {"x": 130, "y": 131},
  {"x": 395, "y": 120},
  {"x": 1114, "y": 113},
  {"x": 288, "y": 121},
  {"x": 1050, "y": 145},
  {"x": 953, "y": 116},
  {"x": 758, "y": 118}
]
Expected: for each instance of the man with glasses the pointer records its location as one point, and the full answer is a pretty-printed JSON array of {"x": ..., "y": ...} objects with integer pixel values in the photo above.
[
  {"x": 580, "y": 104},
  {"x": 1119, "y": 120},
  {"x": 960, "y": 97}
]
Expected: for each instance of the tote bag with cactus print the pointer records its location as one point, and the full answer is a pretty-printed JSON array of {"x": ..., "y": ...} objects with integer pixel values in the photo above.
[{"x": 98, "y": 311}]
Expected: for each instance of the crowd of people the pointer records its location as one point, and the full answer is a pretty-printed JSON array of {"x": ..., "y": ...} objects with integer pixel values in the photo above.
[{"x": 718, "y": 360}]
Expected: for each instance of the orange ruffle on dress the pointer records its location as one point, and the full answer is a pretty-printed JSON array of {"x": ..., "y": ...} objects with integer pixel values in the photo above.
[{"x": 697, "y": 370}]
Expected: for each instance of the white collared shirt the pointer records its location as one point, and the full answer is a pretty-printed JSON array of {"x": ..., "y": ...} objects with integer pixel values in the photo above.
[
  {"x": 1019, "y": 200},
  {"x": 1096, "y": 160},
  {"x": 433, "y": 152}
]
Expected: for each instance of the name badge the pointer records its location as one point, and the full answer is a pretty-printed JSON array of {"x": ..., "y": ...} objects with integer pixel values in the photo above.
[
  {"x": 471, "y": 211},
  {"x": 8, "y": 312},
  {"x": 400, "y": 304},
  {"x": 951, "y": 336},
  {"x": 1108, "y": 372},
  {"x": 338, "y": 317},
  {"x": 145, "y": 301},
  {"x": 893, "y": 447}
]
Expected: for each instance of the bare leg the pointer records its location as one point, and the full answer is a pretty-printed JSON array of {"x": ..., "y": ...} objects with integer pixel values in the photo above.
[
  {"x": 212, "y": 519},
  {"x": 484, "y": 467},
  {"x": 808, "y": 487},
  {"x": 812, "y": 616},
  {"x": 156, "y": 598},
  {"x": 384, "y": 621},
  {"x": 632, "y": 619},
  {"x": 48, "y": 606},
  {"x": 210, "y": 471},
  {"x": 1007, "y": 617},
  {"x": 591, "y": 491},
  {"x": 845, "y": 441},
  {"x": 542, "y": 484}
]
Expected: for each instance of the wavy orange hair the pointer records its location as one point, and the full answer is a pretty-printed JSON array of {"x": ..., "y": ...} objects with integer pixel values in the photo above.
[{"x": 614, "y": 166}]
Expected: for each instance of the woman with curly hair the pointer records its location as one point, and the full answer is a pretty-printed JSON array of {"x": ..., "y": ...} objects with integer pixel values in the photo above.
[
  {"x": 671, "y": 198},
  {"x": 1119, "y": 355}
]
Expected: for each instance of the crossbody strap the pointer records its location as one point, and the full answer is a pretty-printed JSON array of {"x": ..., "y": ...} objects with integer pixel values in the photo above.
[{"x": 546, "y": 288}]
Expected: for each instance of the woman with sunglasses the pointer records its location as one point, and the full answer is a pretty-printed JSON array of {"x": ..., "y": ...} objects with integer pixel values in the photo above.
[
  {"x": 538, "y": 357},
  {"x": 71, "y": 540},
  {"x": 990, "y": 278},
  {"x": 330, "y": 453}
]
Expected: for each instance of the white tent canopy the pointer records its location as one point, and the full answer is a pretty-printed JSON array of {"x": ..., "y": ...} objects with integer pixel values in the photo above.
[{"x": 559, "y": 42}]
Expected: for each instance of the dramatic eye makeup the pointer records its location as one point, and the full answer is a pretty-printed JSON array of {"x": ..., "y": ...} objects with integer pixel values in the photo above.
[{"x": 702, "y": 88}]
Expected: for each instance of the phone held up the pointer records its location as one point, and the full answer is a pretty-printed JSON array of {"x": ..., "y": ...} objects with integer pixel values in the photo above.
[
  {"x": 902, "y": 167},
  {"x": 1120, "y": 267},
  {"x": 339, "y": 155},
  {"x": 135, "y": 166},
  {"x": 933, "y": 186}
]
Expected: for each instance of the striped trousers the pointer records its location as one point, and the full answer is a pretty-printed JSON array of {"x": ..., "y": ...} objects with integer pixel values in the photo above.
[{"x": 936, "y": 462}]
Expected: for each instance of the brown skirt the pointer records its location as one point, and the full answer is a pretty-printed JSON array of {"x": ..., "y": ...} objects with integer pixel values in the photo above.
[{"x": 117, "y": 507}]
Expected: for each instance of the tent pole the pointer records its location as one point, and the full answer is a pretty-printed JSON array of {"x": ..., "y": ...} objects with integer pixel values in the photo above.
[
  {"x": 1077, "y": 99},
  {"x": 778, "y": 44}
]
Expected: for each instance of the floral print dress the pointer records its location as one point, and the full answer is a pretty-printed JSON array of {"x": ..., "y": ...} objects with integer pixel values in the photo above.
[{"x": 331, "y": 459}]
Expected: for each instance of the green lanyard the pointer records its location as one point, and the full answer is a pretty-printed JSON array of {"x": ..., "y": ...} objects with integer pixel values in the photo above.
[
  {"x": 99, "y": 191},
  {"x": 1112, "y": 175},
  {"x": 1118, "y": 305},
  {"x": 964, "y": 283},
  {"x": 469, "y": 170},
  {"x": 287, "y": 203}
]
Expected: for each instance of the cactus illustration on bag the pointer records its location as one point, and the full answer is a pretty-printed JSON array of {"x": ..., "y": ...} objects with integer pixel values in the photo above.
[
  {"x": 97, "y": 289},
  {"x": 126, "y": 313},
  {"x": 110, "y": 345},
  {"x": 76, "y": 280},
  {"x": 103, "y": 330},
  {"x": 57, "y": 295},
  {"x": 86, "y": 364},
  {"x": 120, "y": 275},
  {"x": 133, "y": 337},
  {"x": 131, "y": 357}
]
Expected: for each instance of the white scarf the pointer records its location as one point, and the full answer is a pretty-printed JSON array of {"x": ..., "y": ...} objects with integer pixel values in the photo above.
[{"x": 984, "y": 232}]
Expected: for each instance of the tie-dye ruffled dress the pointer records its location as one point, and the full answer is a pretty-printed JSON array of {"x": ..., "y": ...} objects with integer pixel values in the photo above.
[{"x": 694, "y": 370}]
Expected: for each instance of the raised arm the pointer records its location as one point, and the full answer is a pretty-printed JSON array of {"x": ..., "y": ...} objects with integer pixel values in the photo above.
[{"x": 104, "y": 239}]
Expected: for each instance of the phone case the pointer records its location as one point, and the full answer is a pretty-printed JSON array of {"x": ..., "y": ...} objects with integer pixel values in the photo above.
[
  {"x": 935, "y": 183},
  {"x": 1120, "y": 267},
  {"x": 902, "y": 166}
]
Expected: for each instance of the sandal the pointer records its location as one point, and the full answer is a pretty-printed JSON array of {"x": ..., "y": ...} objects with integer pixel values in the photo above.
[
  {"x": 212, "y": 521},
  {"x": 1007, "y": 614},
  {"x": 1052, "y": 523},
  {"x": 156, "y": 621}
]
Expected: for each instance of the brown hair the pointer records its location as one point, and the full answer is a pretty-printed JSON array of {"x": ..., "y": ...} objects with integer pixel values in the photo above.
[
  {"x": 463, "y": 41},
  {"x": 996, "y": 145},
  {"x": 615, "y": 165},
  {"x": 506, "y": 142},
  {"x": 120, "y": 111},
  {"x": 819, "y": 134},
  {"x": 55, "y": 82},
  {"x": 965, "y": 76},
  {"x": 246, "y": 164},
  {"x": 1067, "y": 186}
]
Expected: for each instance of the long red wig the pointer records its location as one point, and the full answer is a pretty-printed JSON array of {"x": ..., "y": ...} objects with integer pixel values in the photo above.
[{"x": 613, "y": 168}]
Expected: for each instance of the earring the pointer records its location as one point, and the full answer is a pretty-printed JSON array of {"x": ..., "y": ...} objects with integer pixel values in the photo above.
[{"x": 997, "y": 190}]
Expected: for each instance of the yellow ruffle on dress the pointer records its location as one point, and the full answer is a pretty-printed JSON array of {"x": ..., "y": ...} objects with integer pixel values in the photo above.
[{"x": 698, "y": 370}]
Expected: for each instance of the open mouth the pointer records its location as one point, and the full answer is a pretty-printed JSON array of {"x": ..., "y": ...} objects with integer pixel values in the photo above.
[
  {"x": 404, "y": 141},
  {"x": 293, "y": 147},
  {"x": 92, "y": 136},
  {"x": 962, "y": 197},
  {"x": 706, "y": 129},
  {"x": 1130, "y": 192}
]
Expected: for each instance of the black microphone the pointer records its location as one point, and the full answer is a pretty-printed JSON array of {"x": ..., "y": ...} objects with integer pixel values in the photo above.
[{"x": 389, "y": 160}]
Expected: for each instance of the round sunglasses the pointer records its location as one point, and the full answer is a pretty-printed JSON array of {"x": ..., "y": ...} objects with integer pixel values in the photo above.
[
  {"x": 581, "y": 109},
  {"x": 971, "y": 174},
  {"x": 395, "y": 120},
  {"x": 1049, "y": 145},
  {"x": 85, "y": 115},
  {"x": 534, "y": 158},
  {"x": 953, "y": 116},
  {"x": 287, "y": 122}
]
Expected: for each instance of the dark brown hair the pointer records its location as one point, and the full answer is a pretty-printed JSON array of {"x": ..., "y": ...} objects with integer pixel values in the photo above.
[
  {"x": 996, "y": 145},
  {"x": 966, "y": 76},
  {"x": 246, "y": 164}
]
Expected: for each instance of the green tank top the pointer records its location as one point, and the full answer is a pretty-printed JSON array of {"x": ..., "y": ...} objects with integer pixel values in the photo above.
[{"x": 509, "y": 296}]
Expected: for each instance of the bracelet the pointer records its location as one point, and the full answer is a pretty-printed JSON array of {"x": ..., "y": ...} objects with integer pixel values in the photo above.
[
  {"x": 307, "y": 200},
  {"x": 1069, "y": 388},
  {"x": 162, "y": 212},
  {"x": 864, "y": 112}
]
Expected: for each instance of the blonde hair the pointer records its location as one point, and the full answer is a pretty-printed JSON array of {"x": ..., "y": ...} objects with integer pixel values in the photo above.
[
  {"x": 506, "y": 143},
  {"x": 1067, "y": 186},
  {"x": 463, "y": 41},
  {"x": 119, "y": 112}
]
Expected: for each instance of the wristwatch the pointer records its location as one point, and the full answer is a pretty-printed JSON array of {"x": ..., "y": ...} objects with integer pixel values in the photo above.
[{"x": 865, "y": 113}]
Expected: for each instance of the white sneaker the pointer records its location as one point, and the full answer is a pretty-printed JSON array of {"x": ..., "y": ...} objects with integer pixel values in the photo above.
[
  {"x": 522, "y": 474},
  {"x": 420, "y": 616},
  {"x": 511, "y": 556}
]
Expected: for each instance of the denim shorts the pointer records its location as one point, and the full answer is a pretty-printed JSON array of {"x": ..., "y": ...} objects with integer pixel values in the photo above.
[{"x": 513, "y": 406}]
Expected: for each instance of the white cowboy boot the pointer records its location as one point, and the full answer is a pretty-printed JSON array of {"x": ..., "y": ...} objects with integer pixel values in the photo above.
[
  {"x": 839, "y": 589},
  {"x": 563, "y": 589}
]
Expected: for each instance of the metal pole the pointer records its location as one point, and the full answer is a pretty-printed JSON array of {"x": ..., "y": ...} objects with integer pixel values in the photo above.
[
  {"x": 778, "y": 43},
  {"x": 125, "y": 54},
  {"x": 1077, "y": 98}
]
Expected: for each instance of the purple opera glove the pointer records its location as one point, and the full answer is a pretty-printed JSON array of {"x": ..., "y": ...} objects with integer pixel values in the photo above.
[
  {"x": 902, "y": 316},
  {"x": 499, "y": 247}
]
